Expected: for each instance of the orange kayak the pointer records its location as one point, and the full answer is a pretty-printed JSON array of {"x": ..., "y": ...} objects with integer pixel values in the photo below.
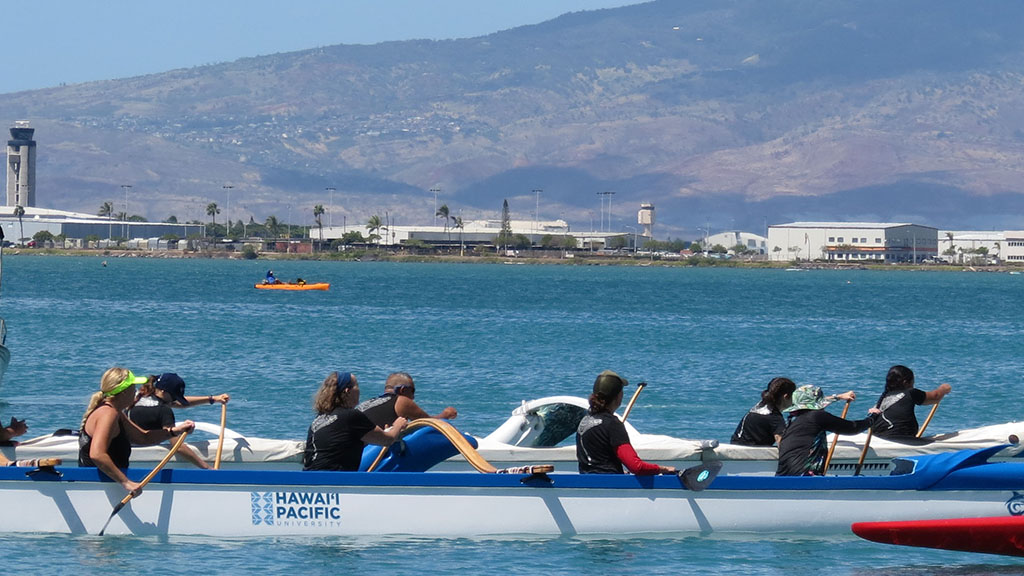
[{"x": 291, "y": 286}]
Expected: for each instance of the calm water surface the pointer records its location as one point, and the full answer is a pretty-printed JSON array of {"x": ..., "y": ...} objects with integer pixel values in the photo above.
[{"x": 484, "y": 338}]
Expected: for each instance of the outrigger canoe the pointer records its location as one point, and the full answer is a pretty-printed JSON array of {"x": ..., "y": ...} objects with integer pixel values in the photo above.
[
  {"x": 231, "y": 503},
  {"x": 1002, "y": 535},
  {"x": 293, "y": 286}
]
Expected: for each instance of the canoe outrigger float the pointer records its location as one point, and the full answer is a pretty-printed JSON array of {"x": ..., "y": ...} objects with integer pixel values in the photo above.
[
  {"x": 999, "y": 535},
  {"x": 520, "y": 502}
]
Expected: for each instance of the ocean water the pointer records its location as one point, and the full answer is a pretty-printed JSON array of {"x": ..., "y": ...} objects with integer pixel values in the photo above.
[{"x": 483, "y": 338}]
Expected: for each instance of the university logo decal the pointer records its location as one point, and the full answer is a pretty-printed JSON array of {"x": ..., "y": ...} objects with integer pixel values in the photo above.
[
  {"x": 302, "y": 509},
  {"x": 262, "y": 508}
]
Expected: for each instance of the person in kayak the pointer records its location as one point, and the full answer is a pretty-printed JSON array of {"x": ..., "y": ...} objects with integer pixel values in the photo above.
[
  {"x": 804, "y": 446},
  {"x": 898, "y": 421},
  {"x": 270, "y": 279},
  {"x": 764, "y": 424},
  {"x": 398, "y": 400},
  {"x": 106, "y": 434},
  {"x": 602, "y": 443},
  {"x": 339, "y": 432},
  {"x": 152, "y": 408}
]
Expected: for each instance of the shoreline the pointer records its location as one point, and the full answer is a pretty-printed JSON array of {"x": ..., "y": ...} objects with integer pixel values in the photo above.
[{"x": 556, "y": 259}]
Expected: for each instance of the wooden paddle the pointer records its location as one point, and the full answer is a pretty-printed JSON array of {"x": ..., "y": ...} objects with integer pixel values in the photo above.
[
  {"x": 639, "y": 388},
  {"x": 835, "y": 441},
  {"x": 929, "y": 418},
  {"x": 863, "y": 454},
  {"x": 220, "y": 440},
  {"x": 128, "y": 498}
]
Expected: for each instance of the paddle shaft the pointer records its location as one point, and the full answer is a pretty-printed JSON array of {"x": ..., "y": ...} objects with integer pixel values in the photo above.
[
  {"x": 639, "y": 388},
  {"x": 128, "y": 498},
  {"x": 220, "y": 439},
  {"x": 863, "y": 454},
  {"x": 928, "y": 419},
  {"x": 835, "y": 441}
]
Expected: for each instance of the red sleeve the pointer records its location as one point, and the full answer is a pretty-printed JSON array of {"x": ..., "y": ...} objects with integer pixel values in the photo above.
[{"x": 627, "y": 455}]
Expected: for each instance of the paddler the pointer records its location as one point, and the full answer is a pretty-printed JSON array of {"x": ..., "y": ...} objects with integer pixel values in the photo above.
[
  {"x": 339, "y": 432},
  {"x": 152, "y": 408},
  {"x": 602, "y": 443},
  {"x": 898, "y": 421},
  {"x": 106, "y": 435},
  {"x": 397, "y": 400},
  {"x": 804, "y": 446}
]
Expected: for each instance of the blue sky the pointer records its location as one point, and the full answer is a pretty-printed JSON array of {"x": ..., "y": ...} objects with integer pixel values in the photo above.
[{"x": 49, "y": 42}]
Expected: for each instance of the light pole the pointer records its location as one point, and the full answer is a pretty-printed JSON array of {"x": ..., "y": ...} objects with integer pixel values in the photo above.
[
  {"x": 227, "y": 211},
  {"x": 435, "y": 191},
  {"x": 330, "y": 207},
  {"x": 127, "y": 230}
]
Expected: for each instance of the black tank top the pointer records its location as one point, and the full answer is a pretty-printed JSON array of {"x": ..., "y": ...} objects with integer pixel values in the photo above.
[{"x": 120, "y": 448}]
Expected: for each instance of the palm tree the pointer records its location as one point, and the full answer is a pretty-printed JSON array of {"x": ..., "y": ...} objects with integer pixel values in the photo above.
[
  {"x": 318, "y": 211},
  {"x": 106, "y": 210},
  {"x": 949, "y": 236},
  {"x": 19, "y": 211},
  {"x": 373, "y": 225},
  {"x": 457, "y": 223},
  {"x": 212, "y": 210},
  {"x": 273, "y": 226},
  {"x": 443, "y": 212}
]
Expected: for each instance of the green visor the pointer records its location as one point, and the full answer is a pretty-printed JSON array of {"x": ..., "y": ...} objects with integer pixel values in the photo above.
[{"x": 129, "y": 380}]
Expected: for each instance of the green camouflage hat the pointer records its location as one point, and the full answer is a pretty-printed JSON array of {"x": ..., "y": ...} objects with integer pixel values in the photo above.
[{"x": 808, "y": 397}]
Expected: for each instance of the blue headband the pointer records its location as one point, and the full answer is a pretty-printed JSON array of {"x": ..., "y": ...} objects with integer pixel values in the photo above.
[{"x": 344, "y": 380}]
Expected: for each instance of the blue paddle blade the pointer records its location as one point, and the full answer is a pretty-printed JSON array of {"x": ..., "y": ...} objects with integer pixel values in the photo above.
[{"x": 697, "y": 478}]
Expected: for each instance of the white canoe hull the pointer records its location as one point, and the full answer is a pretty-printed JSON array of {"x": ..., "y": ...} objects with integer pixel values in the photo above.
[{"x": 272, "y": 503}]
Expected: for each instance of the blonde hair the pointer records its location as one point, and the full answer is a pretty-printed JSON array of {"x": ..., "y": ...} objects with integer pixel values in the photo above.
[
  {"x": 327, "y": 398},
  {"x": 110, "y": 380}
]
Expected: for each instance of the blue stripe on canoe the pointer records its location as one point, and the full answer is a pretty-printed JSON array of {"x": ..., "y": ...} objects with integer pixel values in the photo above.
[{"x": 952, "y": 471}]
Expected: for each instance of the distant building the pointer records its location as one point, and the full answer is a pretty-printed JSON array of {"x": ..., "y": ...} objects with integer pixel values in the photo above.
[
  {"x": 80, "y": 226},
  {"x": 477, "y": 232},
  {"x": 1013, "y": 246},
  {"x": 965, "y": 245},
  {"x": 21, "y": 166},
  {"x": 852, "y": 242},
  {"x": 735, "y": 238}
]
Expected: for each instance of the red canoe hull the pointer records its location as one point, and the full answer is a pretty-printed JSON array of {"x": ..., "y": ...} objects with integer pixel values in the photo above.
[{"x": 998, "y": 535}]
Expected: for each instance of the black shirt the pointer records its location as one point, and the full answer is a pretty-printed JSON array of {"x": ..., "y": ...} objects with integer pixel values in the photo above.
[
  {"x": 597, "y": 439},
  {"x": 759, "y": 427},
  {"x": 380, "y": 410},
  {"x": 149, "y": 413},
  {"x": 803, "y": 447},
  {"x": 898, "y": 419},
  {"x": 334, "y": 441}
]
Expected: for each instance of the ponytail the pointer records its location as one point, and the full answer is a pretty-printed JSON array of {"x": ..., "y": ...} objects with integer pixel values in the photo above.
[{"x": 94, "y": 402}]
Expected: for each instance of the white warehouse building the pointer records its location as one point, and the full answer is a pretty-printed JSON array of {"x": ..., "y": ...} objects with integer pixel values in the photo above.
[{"x": 852, "y": 242}]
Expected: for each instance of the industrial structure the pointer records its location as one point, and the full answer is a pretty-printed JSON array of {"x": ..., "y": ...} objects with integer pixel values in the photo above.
[
  {"x": 21, "y": 166},
  {"x": 852, "y": 242}
]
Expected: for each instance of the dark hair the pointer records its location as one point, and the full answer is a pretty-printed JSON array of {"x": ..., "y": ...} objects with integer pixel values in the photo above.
[
  {"x": 334, "y": 392},
  {"x": 773, "y": 394},
  {"x": 899, "y": 378},
  {"x": 599, "y": 403}
]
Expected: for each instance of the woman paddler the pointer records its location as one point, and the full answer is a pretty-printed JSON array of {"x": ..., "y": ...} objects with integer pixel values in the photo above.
[
  {"x": 339, "y": 432},
  {"x": 602, "y": 443},
  {"x": 106, "y": 436},
  {"x": 804, "y": 446}
]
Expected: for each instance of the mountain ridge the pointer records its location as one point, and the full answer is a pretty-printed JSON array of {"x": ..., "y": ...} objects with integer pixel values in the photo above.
[{"x": 726, "y": 113}]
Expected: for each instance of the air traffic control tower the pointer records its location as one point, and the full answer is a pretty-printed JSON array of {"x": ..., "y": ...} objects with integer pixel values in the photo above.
[
  {"x": 21, "y": 166},
  {"x": 645, "y": 218}
]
